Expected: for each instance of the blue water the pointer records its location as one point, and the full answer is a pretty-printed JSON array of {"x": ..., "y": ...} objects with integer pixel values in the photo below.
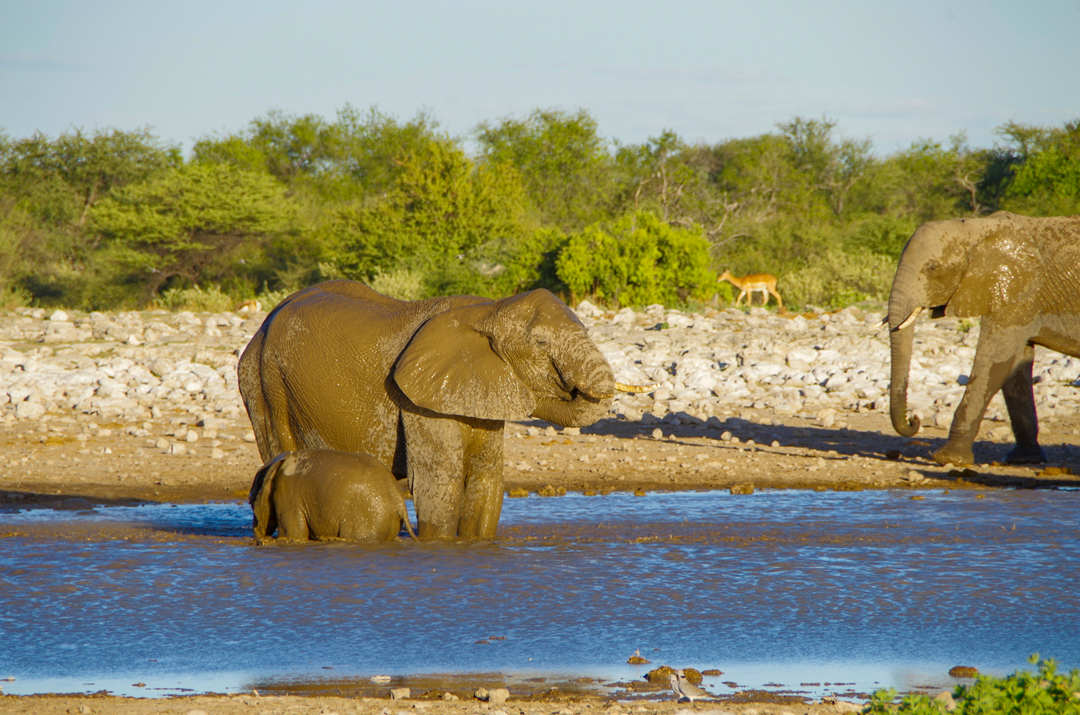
[{"x": 869, "y": 589}]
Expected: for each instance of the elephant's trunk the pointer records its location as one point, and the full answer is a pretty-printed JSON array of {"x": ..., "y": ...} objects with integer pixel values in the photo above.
[
  {"x": 589, "y": 385},
  {"x": 900, "y": 343},
  {"x": 906, "y": 301}
]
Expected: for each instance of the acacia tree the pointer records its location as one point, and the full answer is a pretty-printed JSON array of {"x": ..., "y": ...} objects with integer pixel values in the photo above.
[
  {"x": 563, "y": 162},
  {"x": 1046, "y": 181},
  {"x": 179, "y": 224},
  {"x": 60, "y": 180},
  {"x": 442, "y": 216},
  {"x": 930, "y": 180},
  {"x": 831, "y": 167},
  {"x": 287, "y": 147}
]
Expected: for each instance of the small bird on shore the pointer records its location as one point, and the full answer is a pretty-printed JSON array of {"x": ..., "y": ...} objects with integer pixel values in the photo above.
[{"x": 684, "y": 689}]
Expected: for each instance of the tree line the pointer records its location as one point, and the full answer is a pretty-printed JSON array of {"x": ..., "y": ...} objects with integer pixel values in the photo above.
[{"x": 120, "y": 219}]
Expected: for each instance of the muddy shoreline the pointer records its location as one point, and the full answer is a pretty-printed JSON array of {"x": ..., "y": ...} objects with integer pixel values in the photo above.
[{"x": 57, "y": 462}]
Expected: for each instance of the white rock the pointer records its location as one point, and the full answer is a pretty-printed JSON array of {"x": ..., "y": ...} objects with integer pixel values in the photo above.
[
  {"x": 800, "y": 358},
  {"x": 585, "y": 309},
  {"x": 626, "y": 316},
  {"x": 27, "y": 410}
]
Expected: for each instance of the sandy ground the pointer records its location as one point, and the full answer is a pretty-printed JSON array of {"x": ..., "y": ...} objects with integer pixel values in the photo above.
[{"x": 58, "y": 462}]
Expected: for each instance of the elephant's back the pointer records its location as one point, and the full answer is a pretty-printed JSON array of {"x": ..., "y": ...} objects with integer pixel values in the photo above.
[{"x": 362, "y": 483}]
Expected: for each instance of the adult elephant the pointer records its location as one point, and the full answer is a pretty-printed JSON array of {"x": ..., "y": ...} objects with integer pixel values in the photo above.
[
  {"x": 425, "y": 387},
  {"x": 1021, "y": 276}
]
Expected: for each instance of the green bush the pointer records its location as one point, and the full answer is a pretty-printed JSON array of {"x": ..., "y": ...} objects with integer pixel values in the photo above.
[
  {"x": 270, "y": 298},
  {"x": 838, "y": 278},
  {"x": 637, "y": 260},
  {"x": 403, "y": 284},
  {"x": 209, "y": 300},
  {"x": 1022, "y": 693}
]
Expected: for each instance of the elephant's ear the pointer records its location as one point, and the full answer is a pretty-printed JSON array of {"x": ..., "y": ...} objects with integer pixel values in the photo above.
[
  {"x": 449, "y": 367},
  {"x": 1002, "y": 278},
  {"x": 265, "y": 521}
]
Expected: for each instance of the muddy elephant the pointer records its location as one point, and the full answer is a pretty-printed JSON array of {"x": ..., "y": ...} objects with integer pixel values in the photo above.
[
  {"x": 1021, "y": 276},
  {"x": 324, "y": 494},
  {"x": 423, "y": 386}
]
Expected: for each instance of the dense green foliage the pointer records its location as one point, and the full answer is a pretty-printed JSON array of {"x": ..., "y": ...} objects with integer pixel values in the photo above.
[
  {"x": 1021, "y": 693},
  {"x": 637, "y": 259},
  {"x": 120, "y": 219}
]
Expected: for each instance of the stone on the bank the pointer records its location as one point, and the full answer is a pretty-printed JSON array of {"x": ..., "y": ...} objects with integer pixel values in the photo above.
[
  {"x": 585, "y": 309},
  {"x": 700, "y": 364},
  {"x": 27, "y": 410}
]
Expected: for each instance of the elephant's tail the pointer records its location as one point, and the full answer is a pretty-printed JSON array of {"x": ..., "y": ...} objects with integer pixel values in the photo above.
[{"x": 408, "y": 524}]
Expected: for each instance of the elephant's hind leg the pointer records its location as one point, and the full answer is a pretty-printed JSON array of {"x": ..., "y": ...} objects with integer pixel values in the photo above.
[{"x": 1020, "y": 400}]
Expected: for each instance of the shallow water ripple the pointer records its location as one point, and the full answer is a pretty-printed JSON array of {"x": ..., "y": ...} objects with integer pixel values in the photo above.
[{"x": 854, "y": 586}]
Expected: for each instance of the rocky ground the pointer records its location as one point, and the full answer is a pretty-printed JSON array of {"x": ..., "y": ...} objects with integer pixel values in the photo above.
[{"x": 144, "y": 406}]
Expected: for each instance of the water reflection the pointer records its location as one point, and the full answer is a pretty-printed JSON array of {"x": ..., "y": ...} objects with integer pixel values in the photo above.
[{"x": 867, "y": 588}]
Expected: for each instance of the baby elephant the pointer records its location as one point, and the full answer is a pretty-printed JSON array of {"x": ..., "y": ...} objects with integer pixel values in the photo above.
[{"x": 325, "y": 494}]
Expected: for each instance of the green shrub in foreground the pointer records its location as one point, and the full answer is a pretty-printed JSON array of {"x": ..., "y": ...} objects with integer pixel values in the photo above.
[{"x": 1022, "y": 693}]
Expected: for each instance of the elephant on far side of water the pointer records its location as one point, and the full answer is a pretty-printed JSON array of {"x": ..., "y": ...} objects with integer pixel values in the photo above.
[
  {"x": 327, "y": 495},
  {"x": 1021, "y": 276},
  {"x": 423, "y": 386}
]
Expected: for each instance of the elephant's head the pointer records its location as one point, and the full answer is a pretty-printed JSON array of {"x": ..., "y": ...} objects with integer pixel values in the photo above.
[
  {"x": 960, "y": 267},
  {"x": 262, "y": 507},
  {"x": 523, "y": 356}
]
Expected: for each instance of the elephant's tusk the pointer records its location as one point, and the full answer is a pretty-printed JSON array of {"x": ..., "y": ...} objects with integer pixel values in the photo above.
[
  {"x": 910, "y": 319},
  {"x": 634, "y": 388}
]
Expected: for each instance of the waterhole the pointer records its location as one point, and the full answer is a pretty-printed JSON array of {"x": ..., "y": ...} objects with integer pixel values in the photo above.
[{"x": 812, "y": 592}]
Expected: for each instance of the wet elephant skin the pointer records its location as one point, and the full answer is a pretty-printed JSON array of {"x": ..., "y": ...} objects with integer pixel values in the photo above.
[
  {"x": 424, "y": 387},
  {"x": 1021, "y": 276},
  {"x": 324, "y": 494}
]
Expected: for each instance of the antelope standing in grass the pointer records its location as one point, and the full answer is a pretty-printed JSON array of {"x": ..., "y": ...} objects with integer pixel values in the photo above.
[{"x": 765, "y": 283}]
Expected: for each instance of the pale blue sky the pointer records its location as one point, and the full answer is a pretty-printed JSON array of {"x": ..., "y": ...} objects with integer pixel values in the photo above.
[{"x": 893, "y": 72}]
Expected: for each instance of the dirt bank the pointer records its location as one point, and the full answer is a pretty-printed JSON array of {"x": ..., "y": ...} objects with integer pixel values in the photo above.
[{"x": 57, "y": 460}]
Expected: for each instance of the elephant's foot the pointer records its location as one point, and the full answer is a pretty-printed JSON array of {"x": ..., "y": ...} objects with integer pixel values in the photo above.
[
  {"x": 1026, "y": 454},
  {"x": 956, "y": 456}
]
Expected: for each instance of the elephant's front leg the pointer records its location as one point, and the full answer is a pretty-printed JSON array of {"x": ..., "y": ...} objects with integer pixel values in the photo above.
[
  {"x": 434, "y": 456},
  {"x": 999, "y": 353},
  {"x": 483, "y": 480}
]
